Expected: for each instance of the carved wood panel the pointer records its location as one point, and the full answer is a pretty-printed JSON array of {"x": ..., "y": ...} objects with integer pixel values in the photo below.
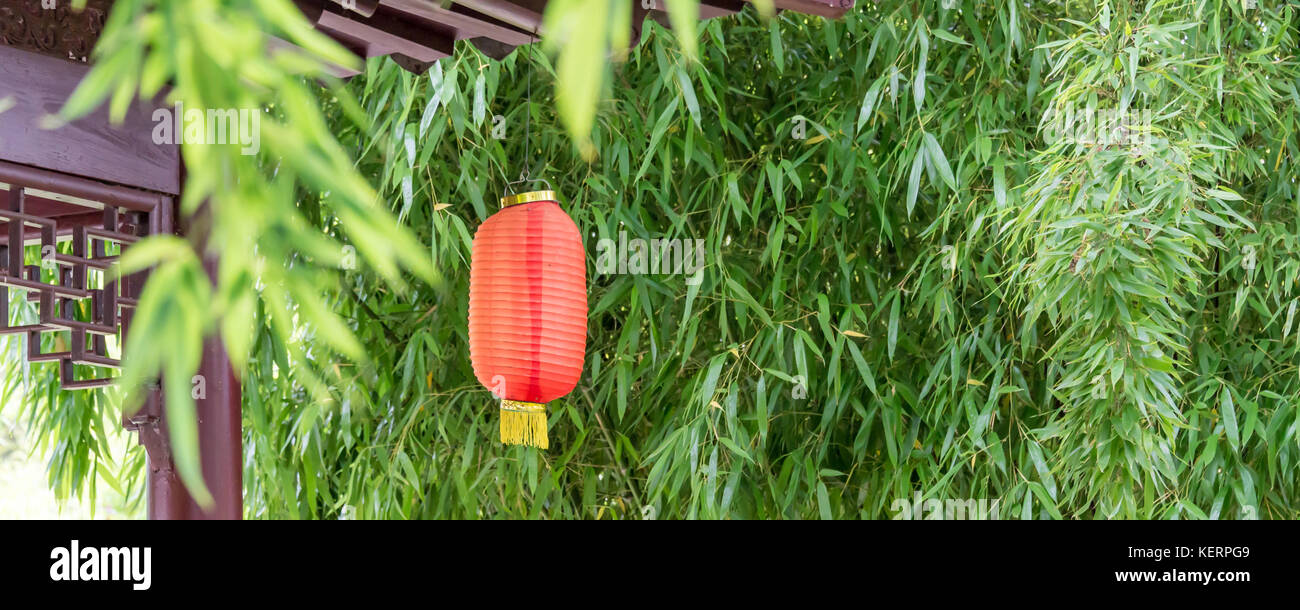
[{"x": 53, "y": 27}]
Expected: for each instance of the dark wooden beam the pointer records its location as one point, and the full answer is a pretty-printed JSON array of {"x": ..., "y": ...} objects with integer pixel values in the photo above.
[
  {"x": 365, "y": 8},
  {"x": 386, "y": 33},
  {"x": 59, "y": 182},
  {"x": 462, "y": 21},
  {"x": 709, "y": 9},
  {"x": 274, "y": 44},
  {"x": 416, "y": 33},
  {"x": 91, "y": 147},
  {"x": 526, "y": 17},
  {"x": 831, "y": 9}
]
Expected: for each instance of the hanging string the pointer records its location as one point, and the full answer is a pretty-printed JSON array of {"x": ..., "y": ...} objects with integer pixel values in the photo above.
[
  {"x": 526, "y": 176},
  {"x": 528, "y": 115}
]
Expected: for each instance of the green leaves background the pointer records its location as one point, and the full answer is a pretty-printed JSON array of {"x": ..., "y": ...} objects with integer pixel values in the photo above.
[{"x": 923, "y": 294}]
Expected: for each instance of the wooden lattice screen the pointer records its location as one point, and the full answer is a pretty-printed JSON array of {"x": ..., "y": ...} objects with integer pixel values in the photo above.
[{"x": 60, "y": 239}]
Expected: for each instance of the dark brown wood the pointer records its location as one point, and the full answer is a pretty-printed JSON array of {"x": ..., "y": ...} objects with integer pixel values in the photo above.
[
  {"x": 365, "y": 8},
  {"x": 91, "y": 147},
  {"x": 62, "y": 31},
  {"x": 709, "y": 9},
  {"x": 220, "y": 447},
  {"x": 415, "y": 32},
  {"x": 218, "y": 408},
  {"x": 383, "y": 33},
  {"x": 43, "y": 208},
  {"x": 58, "y": 182},
  {"x": 491, "y": 48},
  {"x": 67, "y": 215},
  {"x": 461, "y": 22},
  {"x": 526, "y": 16},
  {"x": 831, "y": 9}
]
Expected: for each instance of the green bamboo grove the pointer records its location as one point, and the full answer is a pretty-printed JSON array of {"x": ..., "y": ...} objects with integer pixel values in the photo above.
[{"x": 1043, "y": 253}]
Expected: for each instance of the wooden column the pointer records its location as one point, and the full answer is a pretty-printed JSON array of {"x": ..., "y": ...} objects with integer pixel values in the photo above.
[{"x": 220, "y": 446}]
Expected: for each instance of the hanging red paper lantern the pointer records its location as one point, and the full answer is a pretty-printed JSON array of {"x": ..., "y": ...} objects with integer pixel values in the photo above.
[{"x": 527, "y": 310}]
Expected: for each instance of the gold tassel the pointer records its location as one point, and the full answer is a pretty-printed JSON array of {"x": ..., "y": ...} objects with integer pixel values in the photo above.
[{"x": 523, "y": 423}]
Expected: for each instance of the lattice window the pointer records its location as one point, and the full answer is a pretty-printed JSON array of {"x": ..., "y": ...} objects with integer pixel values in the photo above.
[{"x": 60, "y": 240}]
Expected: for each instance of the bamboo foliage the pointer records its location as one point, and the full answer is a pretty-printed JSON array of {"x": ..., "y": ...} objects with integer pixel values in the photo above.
[{"x": 1042, "y": 253}]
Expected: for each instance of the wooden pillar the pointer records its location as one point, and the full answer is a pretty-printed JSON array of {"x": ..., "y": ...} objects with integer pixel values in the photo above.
[
  {"x": 220, "y": 447},
  {"x": 218, "y": 402}
]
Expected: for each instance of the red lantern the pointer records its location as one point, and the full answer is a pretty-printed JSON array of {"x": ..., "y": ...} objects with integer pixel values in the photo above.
[{"x": 527, "y": 311}]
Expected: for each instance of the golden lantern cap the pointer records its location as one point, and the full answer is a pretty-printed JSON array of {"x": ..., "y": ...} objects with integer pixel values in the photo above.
[{"x": 529, "y": 197}]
